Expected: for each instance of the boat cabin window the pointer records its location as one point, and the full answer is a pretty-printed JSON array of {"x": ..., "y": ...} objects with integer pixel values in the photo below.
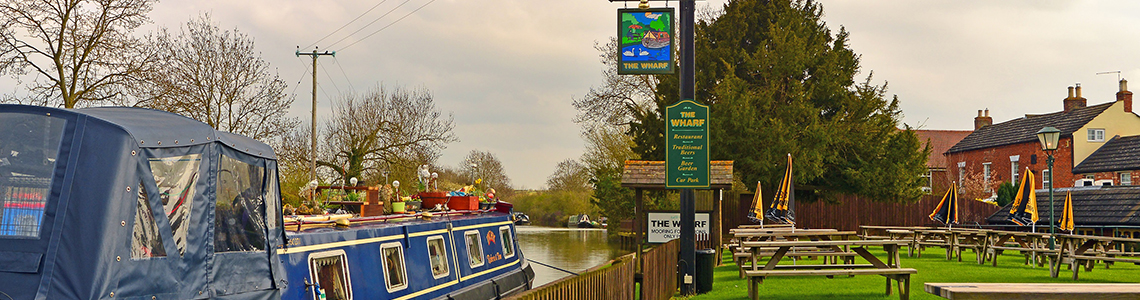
[
  {"x": 395, "y": 274},
  {"x": 29, "y": 146},
  {"x": 239, "y": 223},
  {"x": 437, "y": 252},
  {"x": 508, "y": 241},
  {"x": 176, "y": 178},
  {"x": 146, "y": 242},
  {"x": 329, "y": 271},
  {"x": 474, "y": 248}
]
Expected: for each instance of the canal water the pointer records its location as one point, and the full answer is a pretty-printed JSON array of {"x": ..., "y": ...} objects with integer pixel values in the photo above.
[{"x": 571, "y": 249}]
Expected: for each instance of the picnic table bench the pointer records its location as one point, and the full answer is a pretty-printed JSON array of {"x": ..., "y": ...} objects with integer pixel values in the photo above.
[
  {"x": 874, "y": 232},
  {"x": 1032, "y": 245},
  {"x": 742, "y": 253},
  {"x": 890, "y": 269},
  {"x": 1034, "y": 290},
  {"x": 1085, "y": 250}
]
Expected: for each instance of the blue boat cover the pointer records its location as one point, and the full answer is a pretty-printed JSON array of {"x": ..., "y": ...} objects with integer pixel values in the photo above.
[{"x": 130, "y": 203}]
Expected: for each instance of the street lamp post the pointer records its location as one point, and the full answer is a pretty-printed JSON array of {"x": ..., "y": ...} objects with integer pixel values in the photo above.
[{"x": 1048, "y": 137}]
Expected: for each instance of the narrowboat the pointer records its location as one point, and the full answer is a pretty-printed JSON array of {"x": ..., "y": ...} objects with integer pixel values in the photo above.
[{"x": 129, "y": 203}]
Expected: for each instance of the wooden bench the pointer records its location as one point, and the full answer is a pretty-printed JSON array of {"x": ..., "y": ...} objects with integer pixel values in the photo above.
[
  {"x": 899, "y": 275},
  {"x": 1045, "y": 291}
]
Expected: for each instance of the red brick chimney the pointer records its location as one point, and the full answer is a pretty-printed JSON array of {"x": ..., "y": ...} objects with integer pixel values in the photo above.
[
  {"x": 983, "y": 121},
  {"x": 1125, "y": 95},
  {"x": 1074, "y": 102}
]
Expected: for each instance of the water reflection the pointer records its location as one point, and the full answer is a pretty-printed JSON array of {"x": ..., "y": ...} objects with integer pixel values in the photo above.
[{"x": 572, "y": 249}]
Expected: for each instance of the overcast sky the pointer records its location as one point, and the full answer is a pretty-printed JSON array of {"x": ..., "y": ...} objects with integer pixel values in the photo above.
[{"x": 509, "y": 69}]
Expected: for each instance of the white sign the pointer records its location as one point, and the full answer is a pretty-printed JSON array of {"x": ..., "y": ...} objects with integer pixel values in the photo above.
[{"x": 664, "y": 227}]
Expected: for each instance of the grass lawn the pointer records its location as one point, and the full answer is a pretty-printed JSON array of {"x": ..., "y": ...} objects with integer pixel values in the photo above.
[{"x": 932, "y": 267}]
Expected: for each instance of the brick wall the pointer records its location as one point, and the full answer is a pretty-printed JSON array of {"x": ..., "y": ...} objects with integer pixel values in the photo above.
[{"x": 999, "y": 160}]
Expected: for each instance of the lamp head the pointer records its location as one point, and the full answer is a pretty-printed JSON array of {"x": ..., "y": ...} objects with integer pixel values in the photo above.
[{"x": 1048, "y": 137}]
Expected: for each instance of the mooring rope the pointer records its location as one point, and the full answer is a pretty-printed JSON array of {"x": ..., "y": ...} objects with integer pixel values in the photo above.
[{"x": 552, "y": 267}]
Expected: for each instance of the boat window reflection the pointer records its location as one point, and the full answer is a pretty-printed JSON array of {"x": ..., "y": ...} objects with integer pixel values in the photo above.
[
  {"x": 176, "y": 178},
  {"x": 508, "y": 241},
  {"x": 438, "y": 255},
  {"x": 474, "y": 248},
  {"x": 239, "y": 223},
  {"x": 393, "y": 254},
  {"x": 29, "y": 145},
  {"x": 146, "y": 242}
]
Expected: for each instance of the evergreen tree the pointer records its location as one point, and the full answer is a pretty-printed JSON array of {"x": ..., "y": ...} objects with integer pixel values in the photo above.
[{"x": 778, "y": 81}]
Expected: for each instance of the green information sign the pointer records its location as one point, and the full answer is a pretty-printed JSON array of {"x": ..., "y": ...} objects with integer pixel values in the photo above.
[
  {"x": 645, "y": 39},
  {"x": 687, "y": 145}
]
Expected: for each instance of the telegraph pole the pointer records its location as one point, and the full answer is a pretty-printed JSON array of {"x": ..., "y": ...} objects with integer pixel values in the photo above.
[{"x": 313, "y": 134}]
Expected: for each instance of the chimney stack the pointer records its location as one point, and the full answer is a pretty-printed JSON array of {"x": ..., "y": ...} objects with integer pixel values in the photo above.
[
  {"x": 1125, "y": 95},
  {"x": 983, "y": 120},
  {"x": 1075, "y": 101}
]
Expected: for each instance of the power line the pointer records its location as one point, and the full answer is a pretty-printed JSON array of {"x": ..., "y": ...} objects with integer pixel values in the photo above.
[
  {"x": 302, "y": 75},
  {"x": 338, "y": 65},
  {"x": 389, "y": 25},
  {"x": 370, "y": 23},
  {"x": 346, "y": 24},
  {"x": 330, "y": 79}
]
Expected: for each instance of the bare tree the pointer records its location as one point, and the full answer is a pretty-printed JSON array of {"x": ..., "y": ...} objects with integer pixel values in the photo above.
[
  {"x": 215, "y": 76},
  {"x": 569, "y": 175},
  {"x": 77, "y": 51},
  {"x": 384, "y": 130},
  {"x": 619, "y": 98},
  {"x": 484, "y": 165}
]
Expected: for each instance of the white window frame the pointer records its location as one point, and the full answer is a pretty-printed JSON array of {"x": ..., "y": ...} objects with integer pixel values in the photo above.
[
  {"x": 1045, "y": 183},
  {"x": 344, "y": 271},
  {"x": 961, "y": 172},
  {"x": 928, "y": 181},
  {"x": 1096, "y": 134},
  {"x": 479, "y": 240},
  {"x": 1015, "y": 168},
  {"x": 509, "y": 237},
  {"x": 1122, "y": 175},
  {"x": 447, "y": 267},
  {"x": 403, "y": 266},
  {"x": 987, "y": 169}
]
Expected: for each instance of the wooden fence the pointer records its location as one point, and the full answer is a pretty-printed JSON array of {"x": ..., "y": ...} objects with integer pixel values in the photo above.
[
  {"x": 659, "y": 274},
  {"x": 853, "y": 211},
  {"x": 613, "y": 280}
]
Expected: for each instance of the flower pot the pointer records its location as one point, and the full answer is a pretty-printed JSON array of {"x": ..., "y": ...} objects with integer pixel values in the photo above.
[
  {"x": 398, "y": 207},
  {"x": 412, "y": 205}
]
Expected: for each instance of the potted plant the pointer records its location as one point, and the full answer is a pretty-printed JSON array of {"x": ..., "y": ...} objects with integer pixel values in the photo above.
[{"x": 397, "y": 201}]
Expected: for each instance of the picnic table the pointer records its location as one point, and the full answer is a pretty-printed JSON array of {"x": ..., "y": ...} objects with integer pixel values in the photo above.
[
  {"x": 875, "y": 232},
  {"x": 953, "y": 240},
  {"x": 891, "y": 269},
  {"x": 1031, "y": 244},
  {"x": 742, "y": 252},
  {"x": 1085, "y": 250},
  {"x": 1034, "y": 290}
]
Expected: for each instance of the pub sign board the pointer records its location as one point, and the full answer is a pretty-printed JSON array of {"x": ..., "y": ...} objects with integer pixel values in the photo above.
[
  {"x": 687, "y": 145},
  {"x": 645, "y": 38}
]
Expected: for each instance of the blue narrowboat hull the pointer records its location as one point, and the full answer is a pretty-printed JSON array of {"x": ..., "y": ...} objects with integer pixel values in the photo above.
[{"x": 503, "y": 270}]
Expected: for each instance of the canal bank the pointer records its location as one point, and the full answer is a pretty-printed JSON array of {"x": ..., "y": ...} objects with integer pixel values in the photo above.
[{"x": 570, "y": 249}]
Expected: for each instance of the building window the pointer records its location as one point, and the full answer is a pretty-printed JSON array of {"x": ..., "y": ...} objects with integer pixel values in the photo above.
[
  {"x": 927, "y": 181},
  {"x": 961, "y": 172},
  {"x": 1126, "y": 178},
  {"x": 1014, "y": 169},
  {"x": 437, "y": 253},
  {"x": 986, "y": 174},
  {"x": 1045, "y": 178},
  {"x": 1096, "y": 134},
  {"x": 396, "y": 275},
  {"x": 474, "y": 248}
]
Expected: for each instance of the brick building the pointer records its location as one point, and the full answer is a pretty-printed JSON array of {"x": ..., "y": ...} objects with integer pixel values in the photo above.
[
  {"x": 937, "y": 178},
  {"x": 1001, "y": 151}
]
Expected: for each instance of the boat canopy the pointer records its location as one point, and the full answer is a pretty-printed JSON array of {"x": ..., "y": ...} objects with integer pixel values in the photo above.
[{"x": 131, "y": 203}]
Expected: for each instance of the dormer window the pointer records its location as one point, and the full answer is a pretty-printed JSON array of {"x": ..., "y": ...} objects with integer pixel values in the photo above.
[{"x": 1096, "y": 134}]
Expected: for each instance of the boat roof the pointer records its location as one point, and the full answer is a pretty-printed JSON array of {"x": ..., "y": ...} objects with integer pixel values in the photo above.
[{"x": 159, "y": 129}]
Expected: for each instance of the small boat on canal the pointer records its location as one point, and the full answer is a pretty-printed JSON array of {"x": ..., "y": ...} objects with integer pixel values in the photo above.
[{"x": 129, "y": 203}]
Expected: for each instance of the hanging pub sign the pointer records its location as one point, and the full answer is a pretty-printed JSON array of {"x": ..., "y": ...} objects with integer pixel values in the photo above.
[
  {"x": 687, "y": 145},
  {"x": 645, "y": 41}
]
